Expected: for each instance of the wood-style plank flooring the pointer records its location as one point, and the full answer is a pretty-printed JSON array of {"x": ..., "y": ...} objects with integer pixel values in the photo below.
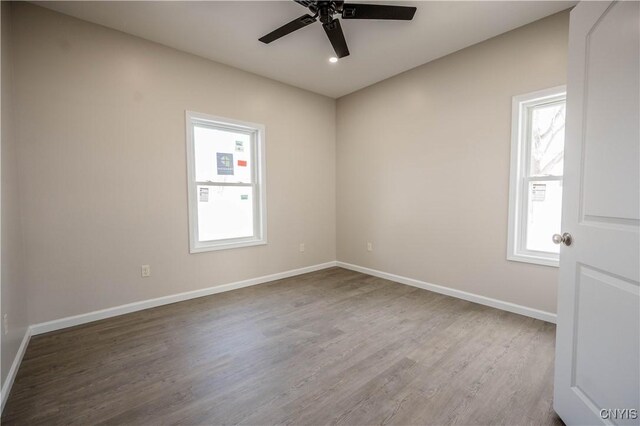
[{"x": 329, "y": 347}]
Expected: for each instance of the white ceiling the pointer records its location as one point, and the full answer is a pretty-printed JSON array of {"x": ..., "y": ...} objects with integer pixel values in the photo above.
[{"x": 228, "y": 32}]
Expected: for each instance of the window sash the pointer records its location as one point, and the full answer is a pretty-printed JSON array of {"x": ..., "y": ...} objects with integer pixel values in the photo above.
[
  {"x": 527, "y": 117},
  {"x": 524, "y": 216},
  {"x": 543, "y": 178},
  {"x": 252, "y": 133},
  {"x": 256, "y": 213},
  {"x": 210, "y": 183}
]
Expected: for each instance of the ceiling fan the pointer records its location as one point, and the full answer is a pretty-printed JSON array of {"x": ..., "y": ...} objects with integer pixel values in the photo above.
[{"x": 325, "y": 11}]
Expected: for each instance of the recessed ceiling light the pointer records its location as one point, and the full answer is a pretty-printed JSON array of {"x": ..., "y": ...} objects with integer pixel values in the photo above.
[{"x": 333, "y": 59}]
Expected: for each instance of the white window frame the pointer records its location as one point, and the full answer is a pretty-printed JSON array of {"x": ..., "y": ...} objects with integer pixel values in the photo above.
[
  {"x": 257, "y": 134},
  {"x": 519, "y": 177}
]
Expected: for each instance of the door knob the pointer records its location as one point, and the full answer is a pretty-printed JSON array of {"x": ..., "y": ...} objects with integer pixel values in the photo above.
[{"x": 564, "y": 239}]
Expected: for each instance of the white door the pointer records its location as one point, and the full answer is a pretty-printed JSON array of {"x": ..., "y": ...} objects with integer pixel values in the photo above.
[{"x": 598, "y": 335}]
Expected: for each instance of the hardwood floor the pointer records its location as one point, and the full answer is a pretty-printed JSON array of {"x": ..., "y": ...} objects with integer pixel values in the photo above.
[{"x": 333, "y": 346}]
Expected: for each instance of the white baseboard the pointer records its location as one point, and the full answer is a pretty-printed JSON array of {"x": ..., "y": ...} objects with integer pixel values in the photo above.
[
  {"x": 13, "y": 371},
  {"x": 471, "y": 297},
  {"x": 58, "y": 324}
]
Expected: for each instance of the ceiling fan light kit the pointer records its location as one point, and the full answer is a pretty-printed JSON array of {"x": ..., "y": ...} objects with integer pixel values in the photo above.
[{"x": 326, "y": 11}]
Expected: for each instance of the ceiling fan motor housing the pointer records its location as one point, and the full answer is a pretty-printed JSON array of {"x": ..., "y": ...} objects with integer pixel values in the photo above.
[{"x": 326, "y": 10}]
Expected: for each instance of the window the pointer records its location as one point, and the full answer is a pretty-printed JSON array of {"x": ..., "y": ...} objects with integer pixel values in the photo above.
[
  {"x": 225, "y": 162},
  {"x": 537, "y": 154}
]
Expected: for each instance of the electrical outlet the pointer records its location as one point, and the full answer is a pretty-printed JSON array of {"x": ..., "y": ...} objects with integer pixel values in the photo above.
[
  {"x": 369, "y": 246},
  {"x": 301, "y": 247},
  {"x": 146, "y": 271},
  {"x": 5, "y": 323}
]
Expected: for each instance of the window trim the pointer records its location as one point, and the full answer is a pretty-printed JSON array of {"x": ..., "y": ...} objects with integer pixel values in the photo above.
[
  {"x": 519, "y": 176},
  {"x": 257, "y": 132}
]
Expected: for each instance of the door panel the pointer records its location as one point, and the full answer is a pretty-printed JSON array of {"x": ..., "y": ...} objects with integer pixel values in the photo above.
[
  {"x": 598, "y": 333},
  {"x": 611, "y": 114},
  {"x": 604, "y": 302}
]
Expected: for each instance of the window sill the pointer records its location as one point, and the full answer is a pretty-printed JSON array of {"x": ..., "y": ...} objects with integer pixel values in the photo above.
[
  {"x": 227, "y": 246},
  {"x": 536, "y": 260}
]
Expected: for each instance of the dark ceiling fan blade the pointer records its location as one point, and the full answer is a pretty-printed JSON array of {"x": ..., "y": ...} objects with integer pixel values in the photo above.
[
  {"x": 377, "y": 11},
  {"x": 288, "y": 28},
  {"x": 336, "y": 37},
  {"x": 305, "y": 3}
]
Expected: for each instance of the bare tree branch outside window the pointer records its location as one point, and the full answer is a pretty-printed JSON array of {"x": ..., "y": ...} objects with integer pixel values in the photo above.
[{"x": 543, "y": 140}]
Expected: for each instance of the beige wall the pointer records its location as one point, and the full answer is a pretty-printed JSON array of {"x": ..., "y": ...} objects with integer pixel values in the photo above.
[
  {"x": 100, "y": 116},
  {"x": 423, "y": 166},
  {"x": 14, "y": 290}
]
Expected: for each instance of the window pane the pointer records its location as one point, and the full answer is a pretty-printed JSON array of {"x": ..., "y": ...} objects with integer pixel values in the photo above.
[
  {"x": 545, "y": 208},
  {"x": 224, "y": 212},
  {"x": 547, "y": 139},
  {"x": 222, "y": 155}
]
